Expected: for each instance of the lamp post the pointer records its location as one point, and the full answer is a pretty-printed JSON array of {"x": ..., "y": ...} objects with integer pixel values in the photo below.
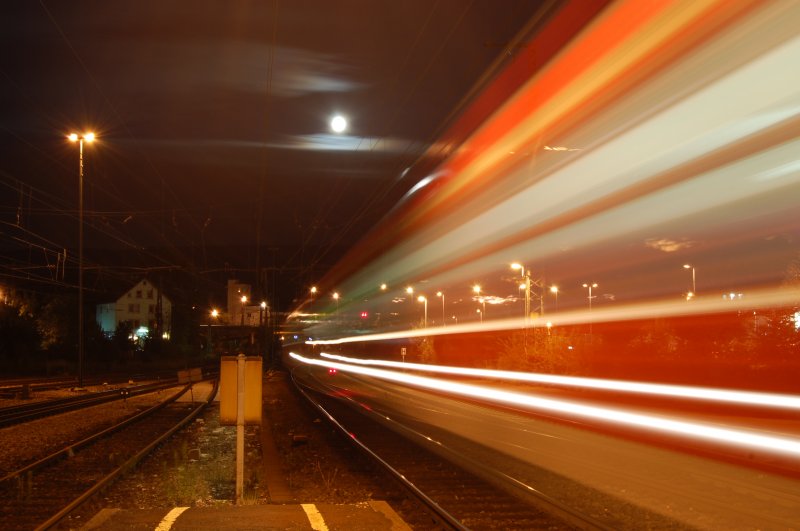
[
  {"x": 694, "y": 281},
  {"x": 441, "y": 294},
  {"x": 424, "y": 299},
  {"x": 526, "y": 276},
  {"x": 313, "y": 291},
  {"x": 477, "y": 290},
  {"x": 89, "y": 138},
  {"x": 590, "y": 286},
  {"x": 214, "y": 316},
  {"x": 244, "y": 300},
  {"x": 554, "y": 291},
  {"x": 336, "y": 298}
]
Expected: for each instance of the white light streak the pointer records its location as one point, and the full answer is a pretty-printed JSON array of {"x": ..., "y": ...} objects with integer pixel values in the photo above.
[
  {"x": 700, "y": 393},
  {"x": 659, "y": 424}
]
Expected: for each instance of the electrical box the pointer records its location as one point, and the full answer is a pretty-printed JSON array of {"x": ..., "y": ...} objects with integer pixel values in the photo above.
[{"x": 229, "y": 389}]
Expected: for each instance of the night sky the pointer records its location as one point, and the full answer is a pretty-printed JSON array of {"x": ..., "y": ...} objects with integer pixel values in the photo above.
[{"x": 212, "y": 118}]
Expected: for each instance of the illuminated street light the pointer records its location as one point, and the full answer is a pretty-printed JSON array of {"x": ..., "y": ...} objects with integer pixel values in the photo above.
[
  {"x": 214, "y": 313},
  {"x": 554, "y": 291},
  {"x": 441, "y": 294},
  {"x": 480, "y": 314},
  {"x": 384, "y": 287},
  {"x": 410, "y": 290},
  {"x": 336, "y": 298},
  {"x": 526, "y": 276},
  {"x": 590, "y": 286},
  {"x": 313, "y": 290},
  {"x": 244, "y": 300},
  {"x": 424, "y": 299},
  {"x": 477, "y": 290},
  {"x": 89, "y": 138},
  {"x": 694, "y": 280}
]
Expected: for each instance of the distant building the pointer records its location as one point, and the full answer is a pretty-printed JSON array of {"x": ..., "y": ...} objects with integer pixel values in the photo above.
[
  {"x": 245, "y": 312},
  {"x": 140, "y": 306}
]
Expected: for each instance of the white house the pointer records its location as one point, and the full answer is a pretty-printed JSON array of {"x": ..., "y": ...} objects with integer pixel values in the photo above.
[{"x": 139, "y": 306}]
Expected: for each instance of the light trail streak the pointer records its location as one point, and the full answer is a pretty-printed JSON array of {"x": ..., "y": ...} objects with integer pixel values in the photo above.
[
  {"x": 694, "y": 430},
  {"x": 681, "y": 391}
]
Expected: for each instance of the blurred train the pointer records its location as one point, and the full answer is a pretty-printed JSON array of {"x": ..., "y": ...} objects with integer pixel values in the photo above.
[
  {"x": 636, "y": 163},
  {"x": 603, "y": 250}
]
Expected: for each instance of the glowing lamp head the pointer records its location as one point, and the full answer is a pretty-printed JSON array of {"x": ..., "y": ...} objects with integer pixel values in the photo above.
[
  {"x": 421, "y": 298},
  {"x": 263, "y": 305},
  {"x": 73, "y": 137},
  {"x": 244, "y": 298},
  {"x": 89, "y": 137},
  {"x": 476, "y": 288}
]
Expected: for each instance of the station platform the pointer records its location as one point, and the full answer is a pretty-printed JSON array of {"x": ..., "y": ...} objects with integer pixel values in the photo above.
[{"x": 365, "y": 516}]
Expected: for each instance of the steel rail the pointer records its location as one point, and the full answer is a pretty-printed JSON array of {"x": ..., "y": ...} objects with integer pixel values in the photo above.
[
  {"x": 128, "y": 465},
  {"x": 440, "y": 513},
  {"x": 16, "y": 414},
  {"x": 552, "y": 505}
]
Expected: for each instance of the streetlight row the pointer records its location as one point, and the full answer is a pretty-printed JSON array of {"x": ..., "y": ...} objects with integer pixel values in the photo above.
[{"x": 526, "y": 285}]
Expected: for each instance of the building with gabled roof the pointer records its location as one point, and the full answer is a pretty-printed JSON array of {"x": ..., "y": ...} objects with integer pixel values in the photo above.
[{"x": 143, "y": 306}]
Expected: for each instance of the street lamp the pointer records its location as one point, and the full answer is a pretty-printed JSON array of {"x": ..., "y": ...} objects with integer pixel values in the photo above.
[
  {"x": 590, "y": 286},
  {"x": 89, "y": 138},
  {"x": 313, "y": 290},
  {"x": 214, "y": 316},
  {"x": 441, "y": 294},
  {"x": 424, "y": 299},
  {"x": 694, "y": 280},
  {"x": 554, "y": 291},
  {"x": 480, "y": 314},
  {"x": 384, "y": 287},
  {"x": 477, "y": 290},
  {"x": 336, "y": 298},
  {"x": 244, "y": 300},
  {"x": 526, "y": 275}
]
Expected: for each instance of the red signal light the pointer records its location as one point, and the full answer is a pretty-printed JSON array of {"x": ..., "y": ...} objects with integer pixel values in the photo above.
[{"x": 364, "y": 315}]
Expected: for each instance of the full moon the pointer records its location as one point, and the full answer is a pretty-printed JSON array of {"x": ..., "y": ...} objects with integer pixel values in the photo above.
[{"x": 338, "y": 124}]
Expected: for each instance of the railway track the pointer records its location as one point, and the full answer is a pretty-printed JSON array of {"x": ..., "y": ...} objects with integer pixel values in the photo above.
[
  {"x": 25, "y": 412},
  {"x": 455, "y": 497},
  {"x": 23, "y": 387},
  {"x": 41, "y": 494}
]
